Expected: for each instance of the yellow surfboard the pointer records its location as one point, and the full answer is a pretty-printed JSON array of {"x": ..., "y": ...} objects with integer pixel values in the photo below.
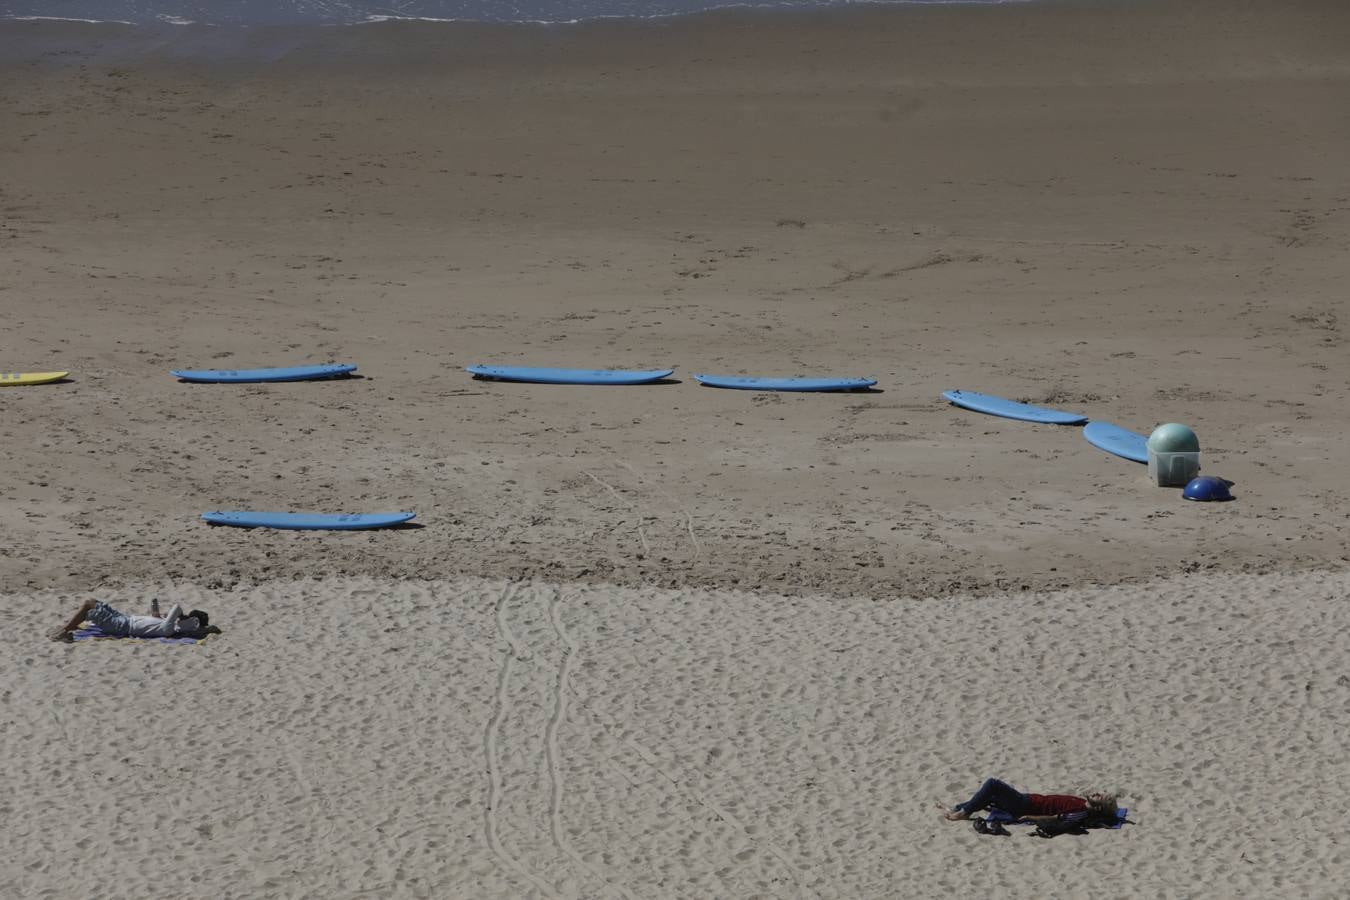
[{"x": 16, "y": 378}]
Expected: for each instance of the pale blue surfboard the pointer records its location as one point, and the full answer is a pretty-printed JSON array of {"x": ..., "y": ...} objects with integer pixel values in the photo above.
[
  {"x": 1011, "y": 409},
  {"x": 568, "y": 376},
  {"x": 754, "y": 383},
  {"x": 306, "y": 521},
  {"x": 239, "y": 376},
  {"x": 1114, "y": 439}
]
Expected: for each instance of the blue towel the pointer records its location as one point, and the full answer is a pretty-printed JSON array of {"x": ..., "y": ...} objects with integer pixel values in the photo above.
[
  {"x": 94, "y": 633},
  {"x": 1005, "y": 818}
]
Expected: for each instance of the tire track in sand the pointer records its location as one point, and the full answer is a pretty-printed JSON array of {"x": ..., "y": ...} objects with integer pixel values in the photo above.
[
  {"x": 641, "y": 532},
  {"x": 684, "y": 511},
  {"x": 551, "y": 752},
  {"x": 491, "y": 737}
]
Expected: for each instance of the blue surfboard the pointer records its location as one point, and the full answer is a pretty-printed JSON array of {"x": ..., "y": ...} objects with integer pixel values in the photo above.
[
  {"x": 307, "y": 521},
  {"x": 568, "y": 376},
  {"x": 240, "y": 376},
  {"x": 753, "y": 383},
  {"x": 1011, "y": 409},
  {"x": 1117, "y": 440}
]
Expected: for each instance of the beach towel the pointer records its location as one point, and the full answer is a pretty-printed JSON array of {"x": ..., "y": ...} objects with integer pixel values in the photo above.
[
  {"x": 1005, "y": 818},
  {"x": 92, "y": 632}
]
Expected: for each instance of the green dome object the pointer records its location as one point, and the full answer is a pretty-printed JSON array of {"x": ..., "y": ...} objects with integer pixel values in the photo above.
[{"x": 1173, "y": 438}]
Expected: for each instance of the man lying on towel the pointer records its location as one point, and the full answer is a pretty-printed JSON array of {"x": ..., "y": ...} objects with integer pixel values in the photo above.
[
  {"x": 195, "y": 624},
  {"x": 1034, "y": 808}
]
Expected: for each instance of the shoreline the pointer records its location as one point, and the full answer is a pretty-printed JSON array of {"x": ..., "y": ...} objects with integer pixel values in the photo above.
[
  {"x": 732, "y": 8},
  {"x": 1297, "y": 45}
]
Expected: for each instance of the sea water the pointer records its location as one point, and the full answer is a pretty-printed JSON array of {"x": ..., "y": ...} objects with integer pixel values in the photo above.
[{"x": 355, "y": 12}]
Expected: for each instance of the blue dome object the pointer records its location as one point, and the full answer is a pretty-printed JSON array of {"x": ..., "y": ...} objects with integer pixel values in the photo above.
[
  {"x": 1173, "y": 438},
  {"x": 1207, "y": 487}
]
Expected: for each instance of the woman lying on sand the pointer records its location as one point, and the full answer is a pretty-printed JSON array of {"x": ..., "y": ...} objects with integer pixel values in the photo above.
[
  {"x": 995, "y": 794},
  {"x": 195, "y": 624}
]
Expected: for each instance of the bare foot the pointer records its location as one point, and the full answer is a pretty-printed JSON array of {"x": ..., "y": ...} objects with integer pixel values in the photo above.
[
  {"x": 62, "y": 636},
  {"x": 955, "y": 815}
]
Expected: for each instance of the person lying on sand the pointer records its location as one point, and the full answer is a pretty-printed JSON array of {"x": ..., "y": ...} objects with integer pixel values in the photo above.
[
  {"x": 195, "y": 624},
  {"x": 995, "y": 794}
]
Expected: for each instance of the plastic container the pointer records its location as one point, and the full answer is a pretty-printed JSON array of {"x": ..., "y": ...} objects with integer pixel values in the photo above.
[
  {"x": 1173, "y": 469},
  {"x": 1173, "y": 455}
]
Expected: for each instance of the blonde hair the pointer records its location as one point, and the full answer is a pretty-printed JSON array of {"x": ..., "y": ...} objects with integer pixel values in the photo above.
[{"x": 1102, "y": 802}]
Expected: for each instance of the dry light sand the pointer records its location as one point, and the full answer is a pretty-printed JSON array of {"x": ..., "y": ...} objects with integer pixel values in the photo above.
[
  {"x": 471, "y": 739},
  {"x": 672, "y": 641}
]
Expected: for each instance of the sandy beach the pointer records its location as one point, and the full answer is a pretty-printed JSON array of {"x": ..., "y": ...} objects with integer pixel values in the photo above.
[
  {"x": 474, "y": 739},
  {"x": 671, "y": 641}
]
